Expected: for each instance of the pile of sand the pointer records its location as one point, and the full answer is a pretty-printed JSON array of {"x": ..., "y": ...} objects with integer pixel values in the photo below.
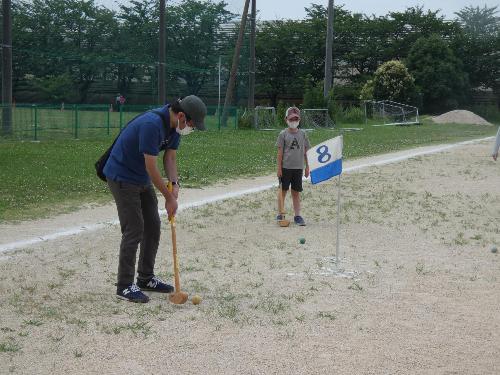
[{"x": 460, "y": 117}]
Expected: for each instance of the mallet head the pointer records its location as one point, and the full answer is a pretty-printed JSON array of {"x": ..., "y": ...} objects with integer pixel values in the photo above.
[
  {"x": 284, "y": 223},
  {"x": 178, "y": 298}
]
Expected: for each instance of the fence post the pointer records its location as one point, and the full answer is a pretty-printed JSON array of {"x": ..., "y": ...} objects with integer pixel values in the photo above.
[
  {"x": 35, "y": 121},
  {"x": 218, "y": 118},
  {"x": 366, "y": 115},
  {"x": 76, "y": 121},
  {"x": 108, "y": 119},
  {"x": 121, "y": 117}
]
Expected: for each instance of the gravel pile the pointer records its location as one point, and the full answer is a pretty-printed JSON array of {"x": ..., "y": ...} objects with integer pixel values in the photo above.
[{"x": 460, "y": 117}]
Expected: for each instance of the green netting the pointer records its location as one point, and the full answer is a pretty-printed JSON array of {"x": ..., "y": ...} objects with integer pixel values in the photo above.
[{"x": 43, "y": 122}]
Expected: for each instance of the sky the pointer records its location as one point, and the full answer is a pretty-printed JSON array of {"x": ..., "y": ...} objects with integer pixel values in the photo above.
[{"x": 294, "y": 9}]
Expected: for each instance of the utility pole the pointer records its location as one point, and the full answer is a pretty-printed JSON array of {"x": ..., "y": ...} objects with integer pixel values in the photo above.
[
  {"x": 251, "y": 72},
  {"x": 234, "y": 68},
  {"x": 328, "y": 56},
  {"x": 161, "y": 56},
  {"x": 7, "y": 69}
]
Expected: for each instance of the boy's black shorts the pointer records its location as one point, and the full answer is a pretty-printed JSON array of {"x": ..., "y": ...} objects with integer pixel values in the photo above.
[{"x": 293, "y": 177}]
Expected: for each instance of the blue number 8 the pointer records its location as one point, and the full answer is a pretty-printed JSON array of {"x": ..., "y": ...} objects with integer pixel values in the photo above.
[{"x": 324, "y": 156}]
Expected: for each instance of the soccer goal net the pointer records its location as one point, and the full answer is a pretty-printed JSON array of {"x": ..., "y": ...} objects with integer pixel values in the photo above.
[
  {"x": 264, "y": 118},
  {"x": 386, "y": 113},
  {"x": 316, "y": 118}
]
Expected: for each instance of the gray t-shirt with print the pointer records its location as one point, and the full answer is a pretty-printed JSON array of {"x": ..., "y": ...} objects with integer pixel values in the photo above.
[{"x": 294, "y": 147}]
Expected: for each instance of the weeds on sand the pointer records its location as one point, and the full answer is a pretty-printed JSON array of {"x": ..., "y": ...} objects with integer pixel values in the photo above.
[
  {"x": 9, "y": 346},
  {"x": 326, "y": 315}
]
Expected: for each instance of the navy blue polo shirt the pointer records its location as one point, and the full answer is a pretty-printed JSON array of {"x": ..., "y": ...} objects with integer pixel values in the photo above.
[{"x": 145, "y": 134}]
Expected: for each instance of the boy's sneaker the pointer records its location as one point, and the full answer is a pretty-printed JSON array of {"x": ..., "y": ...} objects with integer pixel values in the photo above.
[
  {"x": 299, "y": 221},
  {"x": 132, "y": 293},
  {"x": 279, "y": 217},
  {"x": 155, "y": 284}
]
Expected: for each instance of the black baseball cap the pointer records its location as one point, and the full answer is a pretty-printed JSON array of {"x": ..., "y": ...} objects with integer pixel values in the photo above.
[{"x": 195, "y": 109}]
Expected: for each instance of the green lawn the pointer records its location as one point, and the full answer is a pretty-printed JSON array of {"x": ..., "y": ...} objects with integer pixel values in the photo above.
[{"x": 38, "y": 179}]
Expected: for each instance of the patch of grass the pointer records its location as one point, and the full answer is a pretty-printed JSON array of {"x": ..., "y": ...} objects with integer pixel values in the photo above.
[
  {"x": 327, "y": 315},
  {"x": 300, "y": 318},
  {"x": 77, "y": 321},
  {"x": 54, "y": 285},
  {"x": 460, "y": 239},
  {"x": 63, "y": 176},
  {"x": 65, "y": 273},
  {"x": 33, "y": 322},
  {"x": 420, "y": 268},
  {"x": 197, "y": 286},
  {"x": 355, "y": 286},
  {"x": 136, "y": 328},
  {"x": 274, "y": 306},
  {"x": 228, "y": 310},
  {"x": 9, "y": 346}
]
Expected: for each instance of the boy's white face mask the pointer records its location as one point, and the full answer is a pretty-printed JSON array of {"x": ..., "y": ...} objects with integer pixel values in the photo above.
[
  {"x": 293, "y": 124},
  {"x": 185, "y": 131}
]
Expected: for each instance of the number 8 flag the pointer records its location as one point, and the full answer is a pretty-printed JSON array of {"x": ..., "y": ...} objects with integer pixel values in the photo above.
[{"x": 325, "y": 160}]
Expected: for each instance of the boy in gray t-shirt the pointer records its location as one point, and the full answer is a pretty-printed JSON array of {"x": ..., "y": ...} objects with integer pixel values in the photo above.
[{"x": 292, "y": 146}]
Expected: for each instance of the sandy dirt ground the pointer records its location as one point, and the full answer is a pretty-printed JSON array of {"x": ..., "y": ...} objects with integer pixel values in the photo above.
[{"x": 416, "y": 291}]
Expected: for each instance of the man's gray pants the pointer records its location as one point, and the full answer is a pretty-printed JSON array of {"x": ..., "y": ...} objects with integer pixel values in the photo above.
[{"x": 140, "y": 224}]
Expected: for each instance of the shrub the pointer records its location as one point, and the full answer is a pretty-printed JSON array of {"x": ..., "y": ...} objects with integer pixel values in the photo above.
[
  {"x": 353, "y": 115},
  {"x": 313, "y": 95},
  {"x": 391, "y": 81},
  {"x": 281, "y": 110},
  {"x": 245, "y": 119},
  {"x": 367, "y": 90},
  {"x": 489, "y": 112}
]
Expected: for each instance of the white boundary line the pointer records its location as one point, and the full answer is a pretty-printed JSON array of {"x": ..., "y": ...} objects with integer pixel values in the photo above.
[{"x": 90, "y": 228}]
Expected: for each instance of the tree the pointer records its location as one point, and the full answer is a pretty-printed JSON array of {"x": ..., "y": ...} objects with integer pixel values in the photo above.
[
  {"x": 58, "y": 37},
  {"x": 136, "y": 43},
  {"x": 438, "y": 74},
  {"x": 392, "y": 81},
  {"x": 479, "y": 21},
  {"x": 194, "y": 34},
  {"x": 279, "y": 54},
  {"x": 478, "y": 45}
]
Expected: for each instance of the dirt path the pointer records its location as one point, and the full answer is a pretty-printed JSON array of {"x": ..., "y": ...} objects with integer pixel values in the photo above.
[
  {"x": 417, "y": 290},
  {"x": 92, "y": 216}
]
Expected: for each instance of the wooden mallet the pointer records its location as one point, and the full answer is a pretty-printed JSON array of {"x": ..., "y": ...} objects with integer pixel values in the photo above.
[{"x": 178, "y": 297}]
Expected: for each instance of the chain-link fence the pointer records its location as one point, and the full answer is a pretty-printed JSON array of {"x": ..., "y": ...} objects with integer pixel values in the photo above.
[{"x": 83, "y": 121}]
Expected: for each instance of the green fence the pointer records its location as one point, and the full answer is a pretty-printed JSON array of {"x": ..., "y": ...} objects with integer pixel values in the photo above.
[{"x": 83, "y": 121}]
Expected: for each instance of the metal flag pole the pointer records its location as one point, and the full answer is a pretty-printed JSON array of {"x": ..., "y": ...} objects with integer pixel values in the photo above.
[
  {"x": 337, "y": 250},
  {"x": 338, "y": 224}
]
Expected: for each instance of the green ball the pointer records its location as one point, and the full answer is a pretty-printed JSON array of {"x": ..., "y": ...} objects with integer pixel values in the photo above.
[
  {"x": 302, "y": 240},
  {"x": 493, "y": 249}
]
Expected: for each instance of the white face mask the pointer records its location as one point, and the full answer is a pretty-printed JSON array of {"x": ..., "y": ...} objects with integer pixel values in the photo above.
[
  {"x": 187, "y": 129},
  {"x": 293, "y": 124}
]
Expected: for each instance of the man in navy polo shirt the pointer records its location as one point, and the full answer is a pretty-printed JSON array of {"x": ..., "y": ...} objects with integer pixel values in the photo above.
[{"x": 131, "y": 172}]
